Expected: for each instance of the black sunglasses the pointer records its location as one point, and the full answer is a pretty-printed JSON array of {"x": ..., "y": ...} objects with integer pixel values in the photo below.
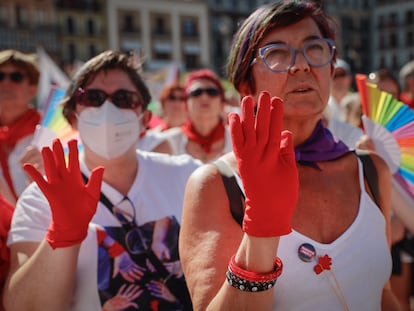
[
  {"x": 14, "y": 76},
  {"x": 120, "y": 98},
  {"x": 211, "y": 91}
]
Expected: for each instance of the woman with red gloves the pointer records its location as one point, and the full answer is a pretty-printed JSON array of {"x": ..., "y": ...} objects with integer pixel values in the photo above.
[
  {"x": 310, "y": 236},
  {"x": 101, "y": 232}
]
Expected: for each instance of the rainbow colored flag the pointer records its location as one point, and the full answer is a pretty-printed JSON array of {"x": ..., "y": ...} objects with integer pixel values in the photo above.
[{"x": 53, "y": 124}]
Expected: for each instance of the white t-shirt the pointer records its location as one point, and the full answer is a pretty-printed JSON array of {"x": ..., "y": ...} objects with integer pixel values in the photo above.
[{"x": 156, "y": 194}]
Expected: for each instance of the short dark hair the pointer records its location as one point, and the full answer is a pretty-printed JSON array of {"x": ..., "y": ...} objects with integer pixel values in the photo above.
[
  {"x": 266, "y": 18},
  {"x": 104, "y": 61}
]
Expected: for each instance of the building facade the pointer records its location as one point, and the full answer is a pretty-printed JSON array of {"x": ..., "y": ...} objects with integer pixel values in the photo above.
[
  {"x": 392, "y": 26},
  {"x": 194, "y": 33},
  {"x": 374, "y": 34},
  {"x": 26, "y": 24},
  {"x": 161, "y": 31},
  {"x": 81, "y": 28}
]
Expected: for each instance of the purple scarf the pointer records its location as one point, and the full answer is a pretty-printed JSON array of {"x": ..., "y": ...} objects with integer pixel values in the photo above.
[{"x": 320, "y": 146}]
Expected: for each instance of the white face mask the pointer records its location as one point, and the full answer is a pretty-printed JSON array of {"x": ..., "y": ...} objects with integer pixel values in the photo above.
[{"x": 109, "y": 131}]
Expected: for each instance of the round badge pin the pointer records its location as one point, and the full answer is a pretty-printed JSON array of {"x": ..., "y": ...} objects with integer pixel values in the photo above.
[{"x": 306, "y": 252}]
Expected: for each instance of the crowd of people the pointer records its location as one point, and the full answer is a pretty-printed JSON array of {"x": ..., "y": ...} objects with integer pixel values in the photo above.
[{"x": 270, "y": 209}]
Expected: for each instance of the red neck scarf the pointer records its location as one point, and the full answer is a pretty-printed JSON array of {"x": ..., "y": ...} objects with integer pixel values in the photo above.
[
  {"x": 204, "y": 141},
  {"x": 10, "y": 135}
]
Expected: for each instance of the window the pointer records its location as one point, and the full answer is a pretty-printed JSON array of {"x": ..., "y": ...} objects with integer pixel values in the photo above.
[
  {"x": 128, "y": 23},
  {"x": 191, "y": 61},
  {"x": 380, "y": 21},
  {"x": 364, "y": 24},
  {"x": 70, "y": 25},
  {"x": 160, "y": 26},
  {"x": 3, "y": 14},
  {"x": 409, "y": 17},
  {"x": 92, "y": 50},
  {"x": 189, "y": 28},
  {"x": 409, "y": 40},
  {"x": 72, "y": 52},
  {"x": 395, "y": 62},
  {"x": 383, "y": 63},
  {"x": 21, "y": 15},
  {"x": 41, "y": 17},
  {"x": 393, "y": 41},
  {"x": 162, "y": 56},
  {"x": 381, "y": 42},
  {"x": 90, "y": 26},
  {"x": 347, "y": 23},
  {"x": 393, "y": 20}
]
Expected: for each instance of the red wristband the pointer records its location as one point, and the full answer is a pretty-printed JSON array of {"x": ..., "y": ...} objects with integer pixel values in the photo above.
[{"x": 254, "y": 276}]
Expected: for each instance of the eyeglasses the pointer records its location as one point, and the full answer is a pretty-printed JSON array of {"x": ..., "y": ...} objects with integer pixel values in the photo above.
[
  {"x": 280, "y": 57},
  {"x": 120, "y": 98},
  {"x": 176, "y": 98},
  {"x": 14, "y": 76},
  {"x": 210, "y": 91}
]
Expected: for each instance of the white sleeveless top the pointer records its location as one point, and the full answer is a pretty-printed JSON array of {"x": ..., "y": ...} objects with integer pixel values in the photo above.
[{"x": 361, "y": 265}]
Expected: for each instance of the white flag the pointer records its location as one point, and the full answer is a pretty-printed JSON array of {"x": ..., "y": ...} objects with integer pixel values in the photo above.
[{"x": 50, "y": 74}]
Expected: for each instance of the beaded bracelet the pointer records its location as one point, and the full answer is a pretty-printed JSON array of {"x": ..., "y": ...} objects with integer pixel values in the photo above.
[{"x": 249, "y": 281}]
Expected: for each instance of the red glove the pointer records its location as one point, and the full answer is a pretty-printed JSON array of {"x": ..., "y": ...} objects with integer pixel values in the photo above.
[
  {"x": 267, "y": 166},
  {"x": 72, "y": 203}
]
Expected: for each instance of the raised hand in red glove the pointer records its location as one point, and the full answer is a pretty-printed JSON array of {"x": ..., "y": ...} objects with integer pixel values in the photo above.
[
  {"x": 72, "y": 203},
  {"x": 267, "y": 166}
]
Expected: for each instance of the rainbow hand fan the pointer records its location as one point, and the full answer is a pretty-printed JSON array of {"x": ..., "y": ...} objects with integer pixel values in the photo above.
[
  {"x": 390, "y": 124},
  {"x": 54, "y": 125}
]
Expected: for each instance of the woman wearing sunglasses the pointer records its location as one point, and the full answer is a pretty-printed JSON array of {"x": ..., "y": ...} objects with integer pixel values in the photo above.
[
  {"x": 19, "y": 76},
  {"x": 174, "y": 114},
  {"x": 303, "y": 231},
  {"x": 70, "y": 253},
  {"x": 174, "y": 111},
  {"x": 204, "y": 135}
]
